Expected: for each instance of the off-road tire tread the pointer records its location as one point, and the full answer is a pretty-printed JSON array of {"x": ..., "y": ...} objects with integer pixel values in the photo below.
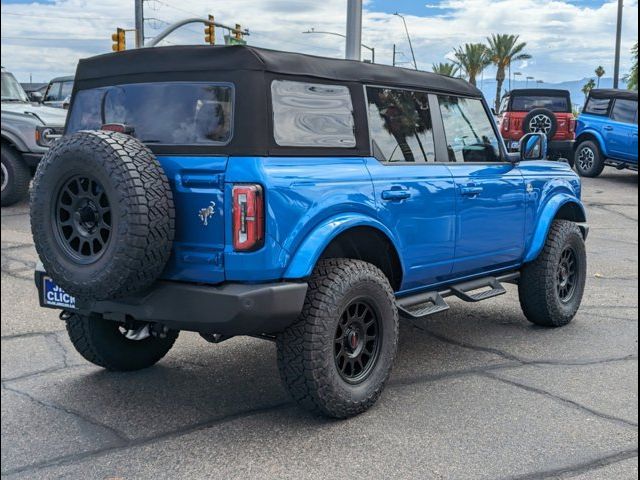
[
  {"x": 147, "y": 216},
  {"x": 81, "y": 331},
  {"x": 537, "y": 288},
  {"x": 20, "y": 178},
  {"x": 302, "y": 363}
]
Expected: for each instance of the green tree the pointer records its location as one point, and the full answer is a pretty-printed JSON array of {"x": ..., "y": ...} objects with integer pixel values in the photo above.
[
  {"x": 600, "y": 71},
  {"x": 472, "y": 58},
  {"x": 448, "y": 69},
  {"x": 632, "y": 78},
  {"x": 590, "y": 85},
  {"x": 503, "y": 50}
]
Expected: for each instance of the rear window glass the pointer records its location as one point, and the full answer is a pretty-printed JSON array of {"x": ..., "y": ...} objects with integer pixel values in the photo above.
[
  {"x": 597, "y": 106},
  {"x": 625, "y": 111},
  {"x": 312, "y": 115},
  {"x": 527, "y": 103},
  {"x": 173, "y": 113}
]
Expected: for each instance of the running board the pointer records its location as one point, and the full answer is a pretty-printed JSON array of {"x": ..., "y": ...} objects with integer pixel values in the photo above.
[{"x": 422, "y": 305}]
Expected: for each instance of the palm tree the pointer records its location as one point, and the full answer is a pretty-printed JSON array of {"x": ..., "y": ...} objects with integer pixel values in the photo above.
[
  {"x": 503, "y": 50},
  {"x": 590, "y": 85},
  {"x": 632, "y": 78},
  {"x": 600, "y": 71},
  {"x": 472, "y": 59},
  {"x": 448, "y": 69}
]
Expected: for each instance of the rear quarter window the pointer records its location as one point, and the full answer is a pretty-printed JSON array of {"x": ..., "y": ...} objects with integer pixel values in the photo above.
[
  {"x": 172, "y": 113},
  {"x": 312, "y": 115},
  {"x": 597, "y": 106}
]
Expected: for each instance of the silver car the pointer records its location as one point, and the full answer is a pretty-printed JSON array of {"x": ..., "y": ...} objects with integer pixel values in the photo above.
[{"x": 28, "y": 130}]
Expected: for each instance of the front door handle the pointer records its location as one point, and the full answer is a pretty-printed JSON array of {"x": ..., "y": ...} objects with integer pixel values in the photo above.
[
  {"x": 608, "y": 128},
  {"x": 396, "y": 195},
  {"x": 471, "y": 191}
]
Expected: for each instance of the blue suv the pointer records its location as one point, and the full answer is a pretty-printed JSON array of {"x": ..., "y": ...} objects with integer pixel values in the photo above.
[
  {"x": 607, "y": 132},
  {"x": 307, "y": 201}
]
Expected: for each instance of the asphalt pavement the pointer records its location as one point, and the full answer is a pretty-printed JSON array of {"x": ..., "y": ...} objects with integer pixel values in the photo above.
[{"x": 476, "y": 393}]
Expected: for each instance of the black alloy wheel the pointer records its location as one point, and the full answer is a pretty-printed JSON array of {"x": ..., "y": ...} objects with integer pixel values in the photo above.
[
  {"x": 357, "y": 342},
  {"x": 567, "y": 275},
  {"x": 82, "y": 213}
]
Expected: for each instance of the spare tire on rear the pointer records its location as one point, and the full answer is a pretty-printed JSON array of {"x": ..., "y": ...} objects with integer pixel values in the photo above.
[
  {"x": 102, "y": 215},
  {"x": 541, "y": 120}
]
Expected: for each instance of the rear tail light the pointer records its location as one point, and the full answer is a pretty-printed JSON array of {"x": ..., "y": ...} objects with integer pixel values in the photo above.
[
  {"x": 572, "y": 125},
  {"x": 118, "y": 127},
  {"x": 506, "y": 123},
  {"x": 248, "y": 217}
]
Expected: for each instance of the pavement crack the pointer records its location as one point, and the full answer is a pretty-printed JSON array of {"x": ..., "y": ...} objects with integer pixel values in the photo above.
[
  {"x": 120, "y": 436},
  {"x": 131, "y": 443},
  {"x": 615, "y": 212},
  {"x": 30, "y": 334},
  {"x": 563, "y": 400},
  {"x": 580, "y": 468}
]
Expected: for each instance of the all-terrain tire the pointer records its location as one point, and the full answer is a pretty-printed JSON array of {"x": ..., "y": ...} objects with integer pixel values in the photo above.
[
  {"x": 102, "y": 343},
  {"x": 588, "y": 160},
  {"x": 306, "y": 350},
  {"x": 117, "y": 180},
  {"x": 15, "y": 176},
  {"x": 541, "y": 288}
]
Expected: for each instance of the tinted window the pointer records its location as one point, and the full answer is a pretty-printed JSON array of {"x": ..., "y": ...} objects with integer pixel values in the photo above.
[
  {"x": 65, "y": 90},
  {"x": 527, "y": 103},
  {"x": 53, "y": 93},
  {"x": 597, "y": 106},
  {"x": 504, "y": 105},
  {"x": 625, "y": 111},
  {"x": 469, "y": 131},
  {"x": 312, "y": 115},
  {"x": 165, "y": 113},
  {"x": 400, "y": 125}
]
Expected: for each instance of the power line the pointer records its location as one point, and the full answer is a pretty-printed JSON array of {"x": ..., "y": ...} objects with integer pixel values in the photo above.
[{"x": 65, "y": 17}]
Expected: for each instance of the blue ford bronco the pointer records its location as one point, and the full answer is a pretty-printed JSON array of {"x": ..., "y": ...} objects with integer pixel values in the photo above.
[
  {"x": 308, "y": 201},
  {"x": 607, "y": 132}
]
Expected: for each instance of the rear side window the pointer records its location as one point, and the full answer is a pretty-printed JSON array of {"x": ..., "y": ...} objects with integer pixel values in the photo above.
[
  {"x": 597, "y": 106},
  {"x": 312, "y": 115},
  {"x": 173, "y": 113},
  {"x": 526, "y": 103},
  {"x": 53, "y": 93},
  {"x": 400, "y": 125},
  {"x": 469, "y": 131},
  {"x": 625, "y": 111}
]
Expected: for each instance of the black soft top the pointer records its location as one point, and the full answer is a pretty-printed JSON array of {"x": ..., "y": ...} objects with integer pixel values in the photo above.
[
  {"x": 543, "y": 92},
  {"x": 148, "y": 63},
  {"x": 612, "y": 93}
]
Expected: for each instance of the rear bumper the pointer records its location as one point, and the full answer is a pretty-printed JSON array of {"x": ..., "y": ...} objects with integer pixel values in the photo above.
[
  {"x": 227, "y": 309},
  {"x": 562, "y": 146}
]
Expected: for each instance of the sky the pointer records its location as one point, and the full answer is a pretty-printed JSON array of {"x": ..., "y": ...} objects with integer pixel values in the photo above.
[{"x": 568, "y": 39}]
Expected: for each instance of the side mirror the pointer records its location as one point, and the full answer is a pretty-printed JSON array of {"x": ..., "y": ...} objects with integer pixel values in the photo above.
[
  {"x": 533, "y": 146},
  {"x": 36, "y": 97}
]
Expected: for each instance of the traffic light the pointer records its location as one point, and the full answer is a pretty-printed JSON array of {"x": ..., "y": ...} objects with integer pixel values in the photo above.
[
  {"x": 119, "y": 40},
  {"x": 210, "y": 32},
  {"x": 238, "y": 32}
]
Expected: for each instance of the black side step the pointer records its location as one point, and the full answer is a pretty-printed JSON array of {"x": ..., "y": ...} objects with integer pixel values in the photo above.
[
  {"x": 422, "y": 305},
  {"x": 490, "y": 287}
]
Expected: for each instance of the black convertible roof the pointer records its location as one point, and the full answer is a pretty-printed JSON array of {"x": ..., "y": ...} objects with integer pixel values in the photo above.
[
  {"x": 550, "y": 92},
  {"x": 612, "y": 93},
  {"x": 206, "y": 58}
]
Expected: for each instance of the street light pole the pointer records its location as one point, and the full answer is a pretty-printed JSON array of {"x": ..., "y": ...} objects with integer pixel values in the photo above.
[
  {"x": 616, "y": 69},
  {"x": 371, "y": 49},
  {"x": 139, "y": 12},
  {"x": 354, "y": 30},
  {"x": 406, "y": 29}
]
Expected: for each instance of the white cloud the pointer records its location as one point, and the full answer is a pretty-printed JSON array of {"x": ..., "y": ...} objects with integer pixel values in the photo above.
[{"x": 567, "y": 40}]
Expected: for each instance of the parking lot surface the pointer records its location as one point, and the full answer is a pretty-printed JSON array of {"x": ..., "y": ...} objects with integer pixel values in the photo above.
[{"x": 476, "y": 392}]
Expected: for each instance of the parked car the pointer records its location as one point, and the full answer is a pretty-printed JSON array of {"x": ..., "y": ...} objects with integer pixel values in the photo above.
[
  {"x": 607, "y": 132},
  {"x": 538, "y": 110},
  {"x": 28, "y": 131},
  {"x": 303, "y": 200},
  {"x": 58, "y": 92},
  {"x": 35, "y": 91}
]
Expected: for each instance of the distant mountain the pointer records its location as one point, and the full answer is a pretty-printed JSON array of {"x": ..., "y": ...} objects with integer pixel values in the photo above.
[{"x": 574, "y": 86}]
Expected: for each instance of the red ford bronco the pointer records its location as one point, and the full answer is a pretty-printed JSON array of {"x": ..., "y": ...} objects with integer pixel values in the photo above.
[{"x": 539, "y": 111}]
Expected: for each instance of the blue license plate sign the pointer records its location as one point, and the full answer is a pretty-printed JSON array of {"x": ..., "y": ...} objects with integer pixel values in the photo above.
[{"x": 54, "y": 296}]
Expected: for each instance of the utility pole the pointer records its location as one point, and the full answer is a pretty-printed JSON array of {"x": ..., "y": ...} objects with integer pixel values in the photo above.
[
  {"x": 354, "y": 30},
  {"x": 139, "y": 6},
  {"x": 394, "y": 54},
  {"x": 616, "y": 69}
]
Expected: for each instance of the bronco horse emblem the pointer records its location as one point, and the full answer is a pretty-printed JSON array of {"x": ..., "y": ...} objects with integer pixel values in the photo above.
[{"x": 206, "y": 213}]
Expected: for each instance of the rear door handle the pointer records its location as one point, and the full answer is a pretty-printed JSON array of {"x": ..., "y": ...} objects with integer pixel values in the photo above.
[
  {"x": 396, "y": 195},
  {"x": 471, "y": 191}
]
